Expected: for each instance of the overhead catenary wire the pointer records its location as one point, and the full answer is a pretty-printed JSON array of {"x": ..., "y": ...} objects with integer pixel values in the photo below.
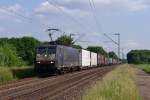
[
  {"x": 55, "y": 4},
  {"x": 30, "y": 20},
  {"x": 93, "y": 10}
]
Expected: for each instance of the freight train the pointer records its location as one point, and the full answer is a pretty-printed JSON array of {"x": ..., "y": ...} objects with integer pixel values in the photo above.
[{"x": 58, "y": 58}]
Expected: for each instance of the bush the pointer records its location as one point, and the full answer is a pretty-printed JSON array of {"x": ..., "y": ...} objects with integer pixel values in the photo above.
[
  {"x": 9, "y": 57},
  {"x": 24, "y": 47},
  {"x": 16, "y": 73},
  {"x": 23, "y": 72}
]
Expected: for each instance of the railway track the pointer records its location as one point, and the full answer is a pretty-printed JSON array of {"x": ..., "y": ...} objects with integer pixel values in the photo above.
[{"x": 50, "y": 88}]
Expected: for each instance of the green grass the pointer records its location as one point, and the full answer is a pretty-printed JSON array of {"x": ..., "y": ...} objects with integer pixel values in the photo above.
[
  {"x": 116, "y": 85},
  {"x": 15, "y": 73},
  {"x": 24, "y": 72},
  {"x": 144, "y": 67},
  {"x": 5, "y": 75}
]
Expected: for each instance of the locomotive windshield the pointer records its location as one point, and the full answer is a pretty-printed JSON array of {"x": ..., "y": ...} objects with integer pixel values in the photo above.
[
  {"x": 46, "y": 50},
  {"x": 46, "y": 53},
  {"x": 41, "y": 50}
]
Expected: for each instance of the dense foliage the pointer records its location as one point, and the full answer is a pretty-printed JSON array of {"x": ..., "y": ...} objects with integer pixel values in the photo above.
[
  {"x": 65, "y": 40},
  {"x": 77, "y": 46},
  {"x": 97, "y": 49},
  {"x": 113, "y": 55},
  {"x": 8, "y": 56},
  {"x": 139, "y": 57},
  {"x": 25, "y": 47}
]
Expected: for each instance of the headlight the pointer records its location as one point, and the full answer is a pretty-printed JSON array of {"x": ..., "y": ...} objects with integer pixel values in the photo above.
[
  {"x": 52, "y": 62},
  {"x": 39, "y": 62},
  {"x": 45, "y": 55}
]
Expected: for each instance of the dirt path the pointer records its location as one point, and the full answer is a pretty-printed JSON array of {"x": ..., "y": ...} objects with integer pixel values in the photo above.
[{"x": 143, "y": 81}]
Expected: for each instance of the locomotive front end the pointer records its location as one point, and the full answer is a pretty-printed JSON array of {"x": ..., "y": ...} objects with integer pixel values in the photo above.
[{"x": 45, "y": 59}]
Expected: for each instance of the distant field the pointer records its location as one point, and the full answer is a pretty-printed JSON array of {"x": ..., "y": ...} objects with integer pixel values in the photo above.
[
  {"x": 117, "y": 85},
  {"x": 144, "y": 67},
  {"x": 15, "y": 73}
]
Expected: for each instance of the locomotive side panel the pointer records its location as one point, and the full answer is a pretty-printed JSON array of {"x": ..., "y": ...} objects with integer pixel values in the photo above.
[{"x": 70, "y": 57}]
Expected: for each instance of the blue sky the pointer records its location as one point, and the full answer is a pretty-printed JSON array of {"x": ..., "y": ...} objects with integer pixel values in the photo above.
[{"x": 128, "y": 17}]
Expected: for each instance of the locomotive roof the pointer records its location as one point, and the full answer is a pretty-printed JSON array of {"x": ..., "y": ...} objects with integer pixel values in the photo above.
[{"x": 47, "y": 45}]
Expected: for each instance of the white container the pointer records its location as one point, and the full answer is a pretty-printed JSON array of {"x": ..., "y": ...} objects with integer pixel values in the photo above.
[
  {"x": 93, "y": 59},
  {"x": 110, "y": 60},
  {"x": 85, "y": 58}
]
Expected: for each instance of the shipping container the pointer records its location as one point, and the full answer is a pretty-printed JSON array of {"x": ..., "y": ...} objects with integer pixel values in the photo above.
[
  {"x": 106, "y": 61},
  {"x": 93, "y": 59},
  {"x": 84, "y": 58},
  {"x": 110, "y": 61},
  {"x": 100, "y": 60},
  {"x": 115, "y": 61}
]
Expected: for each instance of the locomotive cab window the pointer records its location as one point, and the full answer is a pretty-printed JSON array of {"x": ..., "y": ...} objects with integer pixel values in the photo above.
[
  {"x": 46, "y": 53},
  {"x": 41, "y": 50}
]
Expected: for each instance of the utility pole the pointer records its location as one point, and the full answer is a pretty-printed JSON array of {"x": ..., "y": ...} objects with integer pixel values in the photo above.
[
  {"x": 118, "y": 34},
  {"x": 117, "y": 43}
]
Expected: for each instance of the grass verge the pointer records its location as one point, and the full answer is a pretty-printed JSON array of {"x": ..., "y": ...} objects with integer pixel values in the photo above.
[
  {"x": 9, "y": 74},
  {"x": 5, "y": 75},
  {"x": 144, "y": 67},
  {"x": 116, "y": 85}
]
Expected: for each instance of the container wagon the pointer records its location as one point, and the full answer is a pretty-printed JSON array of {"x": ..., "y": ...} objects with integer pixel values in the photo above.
[
  {"x": 100, "y": 60},
  {"x": 84, "y": 58},
  {"x": 93, "y": 59},
  {"x": 106, "y": 61},
  {"x": 110, "y": 61}
]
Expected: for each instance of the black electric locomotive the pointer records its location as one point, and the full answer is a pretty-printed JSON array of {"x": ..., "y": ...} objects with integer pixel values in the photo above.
[{"x": 56, "y": 58}]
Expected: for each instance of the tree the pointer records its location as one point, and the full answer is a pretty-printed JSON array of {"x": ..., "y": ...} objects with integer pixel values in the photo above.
[
  {"x": 138, "y": 57},
  {"x": 113, "y": 55},
  {"x": 9, "y": 57},
  {"x": 77, "y": 46},
  {"x": 97, "y": 49},
  {"x": 65, "y": 40},
  {"x": 25, "y": 47}
]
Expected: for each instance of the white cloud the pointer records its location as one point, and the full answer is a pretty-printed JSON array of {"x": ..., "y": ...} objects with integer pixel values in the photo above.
[
  {"x": 13, "y": 13},
  {"x": 121, "y": 5},
  {"x": 131, "y": 44},
  {"x": 135, "y": 5},
  {"x": 108, "y": 5},
  {"x": 7, "y": 12},
  {"x": 47, "y": 8}
]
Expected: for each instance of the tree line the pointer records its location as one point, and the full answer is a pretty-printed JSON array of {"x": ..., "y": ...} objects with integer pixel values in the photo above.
[
  {"x": 139, "y": 57},
  {"x": 21, "y": 51}
]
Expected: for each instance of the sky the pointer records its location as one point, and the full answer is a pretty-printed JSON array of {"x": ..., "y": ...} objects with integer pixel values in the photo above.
[{"x": 130, "y": 18}]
